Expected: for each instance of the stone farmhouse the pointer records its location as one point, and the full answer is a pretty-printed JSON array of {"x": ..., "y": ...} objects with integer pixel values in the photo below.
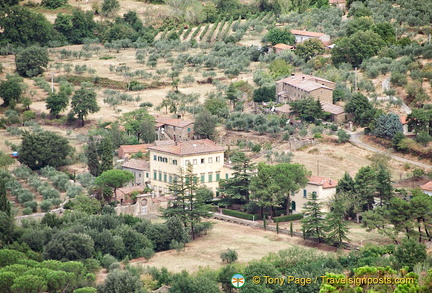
[
  {"x": 174, "y": 129},
  {"x": 140, "y": 169},
  {"x": 298, "y": 86}
]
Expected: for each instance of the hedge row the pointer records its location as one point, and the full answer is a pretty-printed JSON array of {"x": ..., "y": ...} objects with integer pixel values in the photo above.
[
  {"x": 241, "y": 215},
  {"x": 288, "y": 218}
]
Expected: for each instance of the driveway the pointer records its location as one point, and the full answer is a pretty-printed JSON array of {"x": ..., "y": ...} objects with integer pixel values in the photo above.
[{"x": 355, "y": 140}]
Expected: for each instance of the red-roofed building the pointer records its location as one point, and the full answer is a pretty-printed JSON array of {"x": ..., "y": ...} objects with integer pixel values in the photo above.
[
  {"x": 427, "y": 188},
  {"x": 324, "y": 188},
  {"x": 166, "y": 160},
  {"x": 126, "y": 151},
  {"x": 298, "y": 86},
  {"x": 336, "y": 112},
  {"x": 278, "y": 48},
  {"x": 174, "y": 129}
]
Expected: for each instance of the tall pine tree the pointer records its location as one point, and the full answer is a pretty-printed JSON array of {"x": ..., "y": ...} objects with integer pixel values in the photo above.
[
  {"x": 337, "y": 227},
  {"x": 384, "y": 187},
  {"x": 92, "y": 158},
  {"x": 4, "y": 202},
  {"x": 189, "y": 208},
  {"x": 313, "y": 221}
]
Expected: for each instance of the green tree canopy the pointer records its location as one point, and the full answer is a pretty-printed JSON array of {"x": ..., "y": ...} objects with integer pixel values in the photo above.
[
  {"x": 56, "y": 103},
  {"x": 83, "y": 103},
  {"x": 44, "y": 148},
  {"x": 361, "y": 108},
  {"x": 22, "y": 27},
  {"x": 386, "y": 125},
  {"x": 205, "y": 124},
  {"x": 313, "y": 222},
  {"x": 308, "y": 109},
  {"x": 10, "y": 91},
  {"x": 133, "y": 123},
  {"x": 279, "y": 35},
  {"x": 31, "y": 61},
  {"x": 309, "y": 48},
  {"x": 359, "y": 46},
  {"x": 69, "y": 246},
  {"x": 114, "y": 179}
]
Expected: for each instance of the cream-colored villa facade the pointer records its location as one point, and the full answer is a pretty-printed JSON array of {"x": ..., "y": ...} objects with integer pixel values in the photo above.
[
  {"x": 168, "y": 158},
  {"x": 323, "y": 187}
]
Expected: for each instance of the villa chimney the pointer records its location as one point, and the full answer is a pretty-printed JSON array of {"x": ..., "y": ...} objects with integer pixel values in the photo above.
[
  {"x": 303, "y": 78},
  {"x": 330, "y": 182}
]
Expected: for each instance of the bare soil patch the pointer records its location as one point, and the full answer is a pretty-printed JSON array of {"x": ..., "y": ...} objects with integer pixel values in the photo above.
[{"x": 250, "y": 244}]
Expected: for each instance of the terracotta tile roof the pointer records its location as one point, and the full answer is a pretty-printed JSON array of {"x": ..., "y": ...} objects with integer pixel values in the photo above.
[
  {"x": 190, "y": 147},
  {"x": 307, "y": 33},
  {"x": 336, "y": 1},
  {"x": 283, "y": 109},
  {"x": 137, "y": 164},
  {"x": 332, "y": 109},
  {"x": 172, "y": 121},
  {"x": 427, "y": 186},
  {"x": 164, "y": 142},
  {"x": 403, "y": 119},
  {"x": 323, "y": 181},
  {"x": 121, "y": 127},
  {"x": 305, "y": 82},
  {"x": 283, "y": 46},
  {"x": 135, "y": 148}
]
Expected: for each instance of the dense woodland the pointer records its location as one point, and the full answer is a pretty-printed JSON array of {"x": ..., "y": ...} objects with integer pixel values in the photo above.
[{"x": 186, "y": 43}]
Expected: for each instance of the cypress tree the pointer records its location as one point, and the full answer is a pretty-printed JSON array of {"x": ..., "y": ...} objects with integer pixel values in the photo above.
[
  {"x": 92, "y": 158},
  {"x": 4, "y": 202},
  {"x": 107, "y": 159},
  {"x": 337, "y": 227}
]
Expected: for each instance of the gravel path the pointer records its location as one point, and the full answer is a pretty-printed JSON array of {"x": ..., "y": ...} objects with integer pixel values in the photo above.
[{"x": 355, "y": 140}]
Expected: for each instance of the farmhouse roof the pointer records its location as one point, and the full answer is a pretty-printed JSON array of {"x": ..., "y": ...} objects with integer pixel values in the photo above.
[
  {"x": 128, "y": 189},
  {"x": 172, "y": 121},
  {"x": 322, "y": 181},
  {"x": 137, "y": 164},
  {"x": 307, "y": 33},
  {"x": 427, "y": 186},
  {"x": 134, "y": 148},
  {"x": 305, "y": 82},
  {"x": 189, "y": 147},
  {"x": 332, "y": 109},
  {"x": 283, "y": 46}
]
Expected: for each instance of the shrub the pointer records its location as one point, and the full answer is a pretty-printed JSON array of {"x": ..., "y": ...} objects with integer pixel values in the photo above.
[
  {"x": 27, "y": 211},
  {"x": 74, "y": 190},
  {"x": 56, "y": 202},
  {"x": 288, "y": 218},
  {"x": 49, "y": 193},
  {"x": 22, "y": 172},
  {"x": 53, "y": 4},
  {"x": 147, "y": 253},
  {"x": 61, "y": 181},
  {"x": 114, "y": 266},
  {"x": 229, "y": 256},
  {"x": 343, "y": 136},
  {"x": 46, "y": 205},
  {"x": 24, "y": 195},
  {"x": 31, "y": 205},
  {"x": 241, "y": 215},
  {"x": 107, "y": 260}
]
